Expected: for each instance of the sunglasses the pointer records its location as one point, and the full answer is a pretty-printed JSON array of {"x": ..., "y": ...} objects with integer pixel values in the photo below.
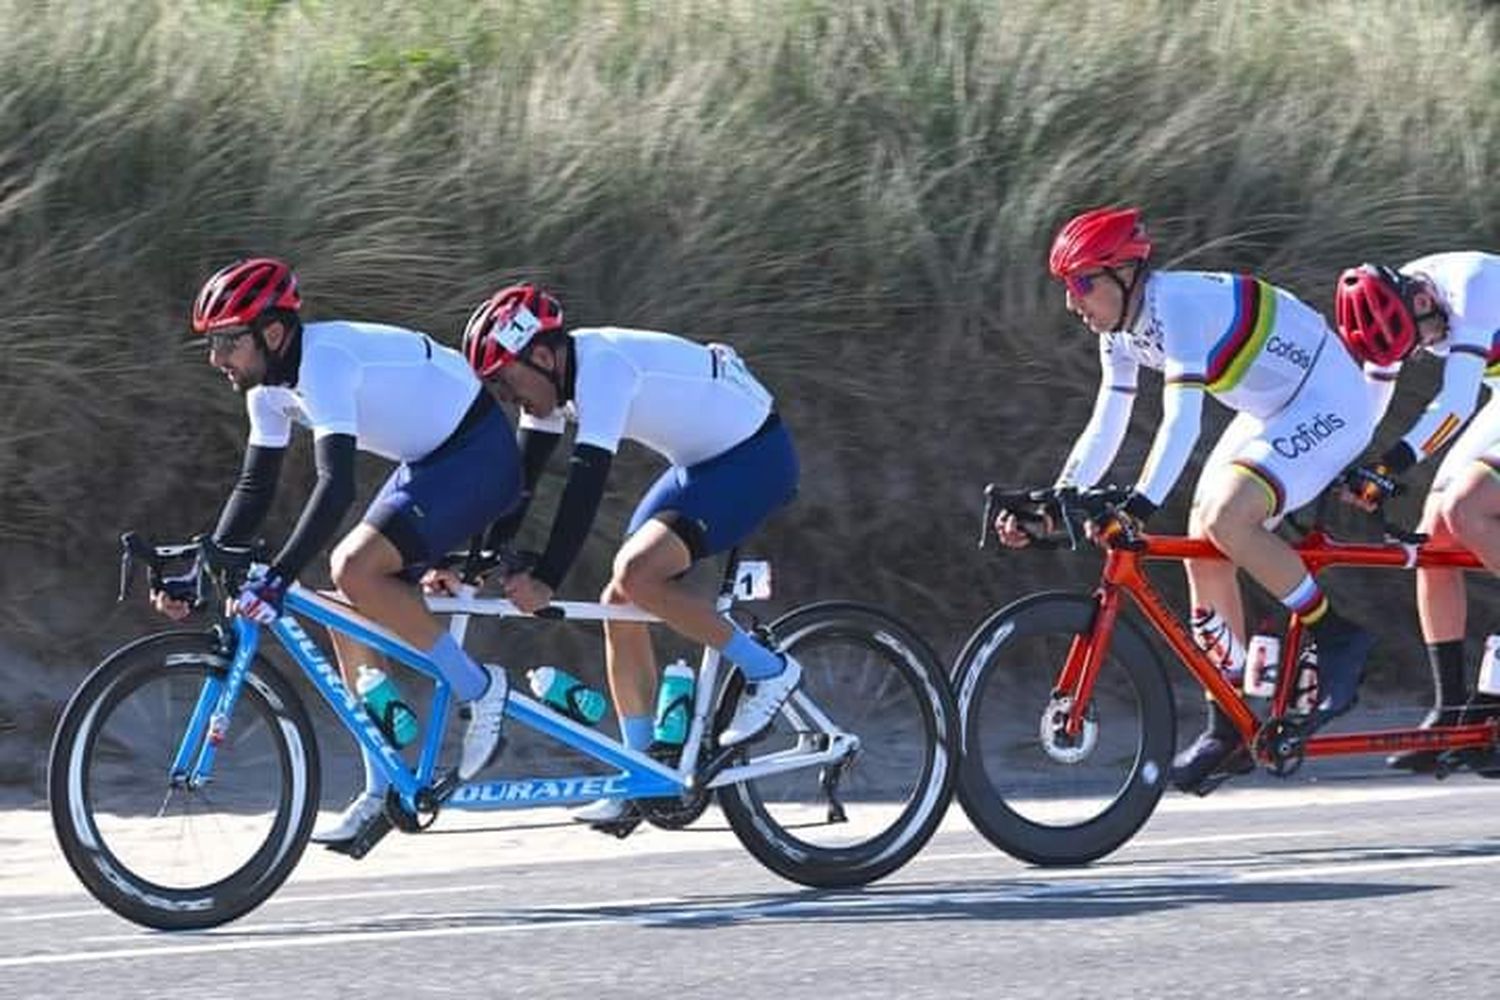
[
  {"x": 1081, "y": 284},
  {"x": 223, "y": 341}
]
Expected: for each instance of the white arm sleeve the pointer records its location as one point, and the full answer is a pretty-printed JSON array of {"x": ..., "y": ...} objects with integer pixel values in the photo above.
[
  {"x": 1181, "y": 421},
  {"x": 1451, "y": 407},
  {"x": 1100, "y": 441}
]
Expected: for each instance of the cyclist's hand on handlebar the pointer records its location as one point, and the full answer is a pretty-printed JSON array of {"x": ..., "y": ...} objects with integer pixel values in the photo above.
[
  {"x": 441, "y": 583},
  {"x": 527, "y": 592},
  {"x": 1013, "y": 536},
  {"x": 1122, "y": 524},
  {"x": 1369, "y": 486},
  {"x": 261, "y": 597},
  {"x": 164, "y": 603}
]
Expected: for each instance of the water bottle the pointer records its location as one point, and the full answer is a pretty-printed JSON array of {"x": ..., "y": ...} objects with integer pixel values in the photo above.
[
  {"x": 567, "y": 694},
  {"x": 1489, "y": 669},
  {"x": 1262, "y": 660},
  {"x": 674, "y": 704},
  {"x": 383, "y": 701},
  {"x": 1217, "y": 639}
]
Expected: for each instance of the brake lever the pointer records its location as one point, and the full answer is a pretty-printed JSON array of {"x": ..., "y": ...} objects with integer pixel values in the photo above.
[
  {"x": 1065, "y": 514},
  {"x": 127, "y": 571},
  {"x": 986, "y": 525}
]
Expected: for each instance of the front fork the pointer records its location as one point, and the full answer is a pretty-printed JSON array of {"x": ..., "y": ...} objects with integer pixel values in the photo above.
[
  {"x": 1085, "y": 656},
  {"x": 192, "y": 765}
]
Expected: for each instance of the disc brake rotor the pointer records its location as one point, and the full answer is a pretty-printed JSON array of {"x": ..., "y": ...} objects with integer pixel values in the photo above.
[{"x": 1056, "y": 741}]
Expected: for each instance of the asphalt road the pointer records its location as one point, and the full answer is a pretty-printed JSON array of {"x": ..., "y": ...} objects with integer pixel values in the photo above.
[{"x": 1348, "y": 887}]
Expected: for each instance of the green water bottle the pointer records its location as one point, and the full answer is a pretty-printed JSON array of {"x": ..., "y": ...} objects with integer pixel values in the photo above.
[
  {"x": 674, "y": 704},
  {"x": 569, "y": 695},
  {"x": 383, "y": 701}
]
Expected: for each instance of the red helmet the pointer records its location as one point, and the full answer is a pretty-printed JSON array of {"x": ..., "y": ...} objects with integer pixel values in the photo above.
[
  {"x": 239, "y": 293},
  {"x": 505, "y": 323},
  {"x": 1372, "y": 307},
  {"x": 1103, "y": 237}
]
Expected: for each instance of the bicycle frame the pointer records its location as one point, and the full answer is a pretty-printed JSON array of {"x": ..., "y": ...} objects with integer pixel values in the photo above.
[
  {"x": 1123, "y": 575},
  {"x": 635, "y": 774}
]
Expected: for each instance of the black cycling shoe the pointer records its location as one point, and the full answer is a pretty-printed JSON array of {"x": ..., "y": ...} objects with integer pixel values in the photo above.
[
  {"x": 1212, "y": 755},
  {"x": 1341, "y": 666},
  {"x": 1425, "y": 761},
  {"x": 1481, "y": 707}
]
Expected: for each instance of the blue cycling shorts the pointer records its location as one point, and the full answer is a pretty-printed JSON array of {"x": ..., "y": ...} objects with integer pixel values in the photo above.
[
  {"x": 437, "y": 503},
  {"x": 718, "y": 503}
]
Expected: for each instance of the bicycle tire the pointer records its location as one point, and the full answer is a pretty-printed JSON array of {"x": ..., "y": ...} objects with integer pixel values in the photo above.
[
  {"x": 1013, "y": 802},
  {"x": 910, "y": 680},
  {"x": 269, "y": 711}
]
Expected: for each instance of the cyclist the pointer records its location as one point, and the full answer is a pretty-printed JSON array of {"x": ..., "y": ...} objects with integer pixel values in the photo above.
[
  {"x": 1447, "y": 304},
  {"x": 1303, "y": 415},
  {"x": 374, "y": 388},
  {"x": 732, "y": 464}
]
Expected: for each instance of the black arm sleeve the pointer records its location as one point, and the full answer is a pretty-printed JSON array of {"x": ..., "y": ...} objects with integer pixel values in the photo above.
[
  {"x": 588, "y": 469},
  {"x": 536, "y": 449},
  {"x": 330, "y": 499},
  {"x": 247, "y": 506}
]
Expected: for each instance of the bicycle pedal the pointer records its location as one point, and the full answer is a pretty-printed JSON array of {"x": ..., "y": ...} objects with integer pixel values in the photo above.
[
  {"x": 371, "y": 833},
  {"x": 1206, "y": 787},
  {"x": 620, "y": 828}
]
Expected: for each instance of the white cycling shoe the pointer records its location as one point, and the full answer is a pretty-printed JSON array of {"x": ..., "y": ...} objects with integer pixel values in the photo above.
[
  {"x": 760, "y": 702},
  {"x": 486, "y": 715},
  {"x": 603, "y": 811},
  {"x": 365, "y": 807}
]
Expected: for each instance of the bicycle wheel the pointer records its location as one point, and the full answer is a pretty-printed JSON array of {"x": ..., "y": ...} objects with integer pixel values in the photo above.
[
  {"x": 179, "y": 858},
  {"x": 1035, "y": 793},
  {"x": 875, "y": 678}
]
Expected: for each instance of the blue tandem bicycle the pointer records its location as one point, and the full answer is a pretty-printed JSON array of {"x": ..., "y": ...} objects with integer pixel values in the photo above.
[{"x": 184, "y": 777}]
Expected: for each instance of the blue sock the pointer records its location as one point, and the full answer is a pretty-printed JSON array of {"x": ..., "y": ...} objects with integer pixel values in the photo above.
[
  {"x": 462, "y": 674},
  {"x": 755, "y": 661},
  {"x": 637, "y": 731}
]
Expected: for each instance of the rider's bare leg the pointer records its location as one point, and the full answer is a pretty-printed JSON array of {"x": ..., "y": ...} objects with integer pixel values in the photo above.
[
  {"x": 1214, "y": 583},
  {"x": 1442, "y": 603},
  {"x": 646, "y": 571},
  {"x": 1471, "y": 506}
]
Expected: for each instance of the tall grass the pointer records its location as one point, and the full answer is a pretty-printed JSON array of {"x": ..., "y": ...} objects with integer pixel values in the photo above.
[{"x": 858, "y": 194}]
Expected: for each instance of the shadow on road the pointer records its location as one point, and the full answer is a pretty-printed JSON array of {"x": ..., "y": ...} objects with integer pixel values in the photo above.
[{"x": 993, "y": 900}]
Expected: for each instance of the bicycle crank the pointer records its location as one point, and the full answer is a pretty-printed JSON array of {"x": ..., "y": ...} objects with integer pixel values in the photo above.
[{"x": 1282, "y": 743}]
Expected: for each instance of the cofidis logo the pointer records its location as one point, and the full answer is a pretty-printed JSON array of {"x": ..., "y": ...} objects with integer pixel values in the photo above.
[{"x": 1308, "y": 435}]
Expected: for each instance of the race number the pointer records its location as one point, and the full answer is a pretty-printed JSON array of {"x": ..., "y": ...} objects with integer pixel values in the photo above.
[{"x": 752, "y": 580}]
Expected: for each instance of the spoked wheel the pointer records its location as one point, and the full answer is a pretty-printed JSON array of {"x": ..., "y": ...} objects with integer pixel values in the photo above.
[
  {"x": 849, "y": 823},
  {"x": 1036, "y": 791},
  {"x": 169, "y": 856}
]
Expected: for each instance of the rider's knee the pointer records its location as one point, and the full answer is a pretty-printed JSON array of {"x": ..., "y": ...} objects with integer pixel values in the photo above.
[
  {"x": 613, "y": 593},
  {"x": 632, "y": 574},
  {"x": 349, "y": 571},
  {"x": 1464, "y": 514}
]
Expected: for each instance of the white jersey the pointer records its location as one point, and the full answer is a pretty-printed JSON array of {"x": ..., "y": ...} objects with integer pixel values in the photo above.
[
  {"x": 1251, "y": 345},
  {"x": 688, "y": 402},
  {"x": 396, "y": 391},
  {"x": 1467, "y": 285}
]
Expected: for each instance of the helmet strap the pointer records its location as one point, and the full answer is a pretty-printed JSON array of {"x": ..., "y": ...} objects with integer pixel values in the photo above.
[
  {"x": 1409, "y": 294},
  {"x": 563, "y": 387},
  {"x": 281, "y": 365},
  {"x": 1126, "y": 291}
]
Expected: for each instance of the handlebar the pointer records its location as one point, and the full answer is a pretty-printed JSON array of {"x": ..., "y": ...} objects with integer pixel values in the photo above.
[
  {"x": 1069, "y": 508},
  {"x": 215, "y": 568},
  {"x": 1066, "y": 507}
]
